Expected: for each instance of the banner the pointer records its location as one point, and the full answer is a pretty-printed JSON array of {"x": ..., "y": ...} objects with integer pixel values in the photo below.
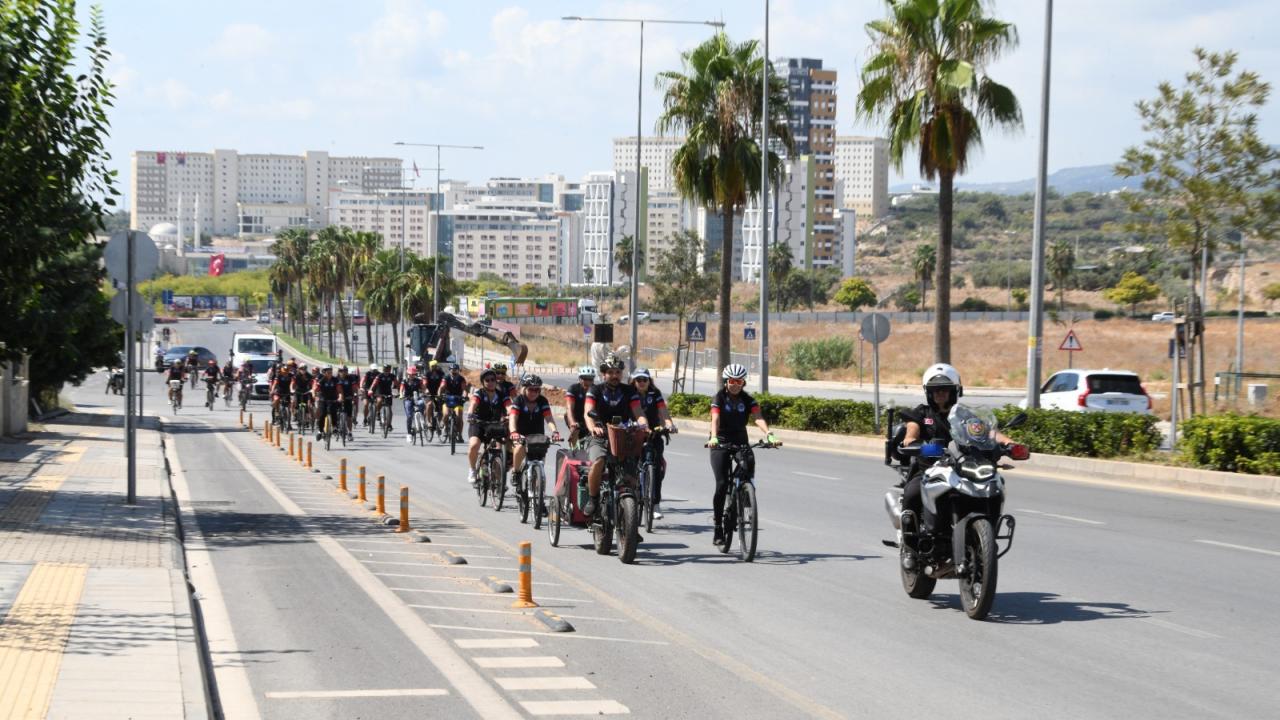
[
  {"x": 216, "y": 264},
  {"x": 182, "y": 302},
  {"x": 233, "y": 303}
]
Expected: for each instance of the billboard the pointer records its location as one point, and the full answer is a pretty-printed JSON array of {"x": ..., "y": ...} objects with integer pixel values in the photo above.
[{"x": 512, "y": 308}]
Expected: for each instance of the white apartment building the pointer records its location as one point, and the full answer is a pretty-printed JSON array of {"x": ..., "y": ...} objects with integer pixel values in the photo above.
[
  {"x": 232, "y": 190},
  {"x": 522, "y": 247},
  {"x": 655, "y": 154},
  {"x": 862, "y": 163},
  {"x": 608, "y": 202},
  {"x": 396, "y": 215}
]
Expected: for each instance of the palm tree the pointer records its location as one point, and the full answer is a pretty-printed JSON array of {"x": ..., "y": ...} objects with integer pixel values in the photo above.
[
  {"x": 364, "y": 245},
  {"x": 1062, "y": 262},
  {"x": 622, "y": 254},
  {"x": 291, "y": 248},
  {"x": 322, "y": 272},
  {"x": 781, "y": 261},
  {"x": 381, "y": 290},
  {"x": 926, "y": 80},
  {"x": 715, "y": 103},
  {"x": 923, "y": 263}
]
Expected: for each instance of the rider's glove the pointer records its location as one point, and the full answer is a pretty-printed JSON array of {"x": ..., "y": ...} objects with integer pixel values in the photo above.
[
  {"x": 555, "y": 437},
  {"x": 713, "y": 442},
  {"x": 771, "y": 439},
  {"x": 514, "y": 436}
]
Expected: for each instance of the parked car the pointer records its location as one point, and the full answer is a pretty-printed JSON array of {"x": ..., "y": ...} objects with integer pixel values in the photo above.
[
  {"x": 644, "y": 318},
  {"x": 1166, "y": 316},
  {"x": 179, "y": 352},
  {"x": 264, "y": 318},
  {"x": 1094, "y": 391},
  {"x": 219, "y": 319}
]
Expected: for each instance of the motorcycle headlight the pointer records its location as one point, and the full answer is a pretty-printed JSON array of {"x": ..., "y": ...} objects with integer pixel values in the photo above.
[{"x": 977, "y": 472}]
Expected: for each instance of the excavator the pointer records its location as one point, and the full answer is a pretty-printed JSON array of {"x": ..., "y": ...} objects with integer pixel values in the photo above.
[{"x": 430, "y": 341}]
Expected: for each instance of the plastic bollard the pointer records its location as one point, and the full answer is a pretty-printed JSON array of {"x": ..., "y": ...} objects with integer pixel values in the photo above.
[
  {"x": 525, "y": 599},
  {"x": 308, "y": 453},
  {"x": 291, "y": 445},
  {"x": 342, "y": 474},
  {"x": 404, "y": 509},
  {"x": 250, "y": 422},
  {"x": 361, "y": 496},
  {"x": 382, "y": 495}
]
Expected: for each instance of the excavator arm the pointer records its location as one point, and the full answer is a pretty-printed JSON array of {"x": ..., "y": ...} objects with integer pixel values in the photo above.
[{"x": 448, "y": 321}]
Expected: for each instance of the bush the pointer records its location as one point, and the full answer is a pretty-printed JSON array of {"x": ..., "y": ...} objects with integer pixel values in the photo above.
[
  {"x": 1103, "y": 314},
  {"x": 975, "y": 304},
  {"x": 806, "y": 356},
  {"x": 1084, "y": 434},
  {"x": 850, "y": 417},
  {"x": 1232, "y": 443}
]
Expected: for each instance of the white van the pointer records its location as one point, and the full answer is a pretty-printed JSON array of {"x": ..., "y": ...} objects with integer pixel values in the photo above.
[{"x": 251, "y": 346}]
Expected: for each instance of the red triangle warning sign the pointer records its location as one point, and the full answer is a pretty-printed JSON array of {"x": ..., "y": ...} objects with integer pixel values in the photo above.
[{"x": 1071, "y": 343}]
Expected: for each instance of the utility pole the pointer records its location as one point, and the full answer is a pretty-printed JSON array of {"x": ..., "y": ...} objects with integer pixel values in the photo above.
[
  {"x": 1035, "y": 336},
  {"x": 764, "y": 211}
]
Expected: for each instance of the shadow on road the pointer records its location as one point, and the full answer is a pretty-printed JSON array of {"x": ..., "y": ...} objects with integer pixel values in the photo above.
[
  {"x": 1036, "y": 608},
  {"x": 763, "y": 557}
]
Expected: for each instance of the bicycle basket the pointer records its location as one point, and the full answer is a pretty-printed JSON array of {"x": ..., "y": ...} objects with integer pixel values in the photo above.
[
  {"x": 493, "y": 430},
  {"x": 626, "y": 442},
  {"x": 536, "y": 446}
]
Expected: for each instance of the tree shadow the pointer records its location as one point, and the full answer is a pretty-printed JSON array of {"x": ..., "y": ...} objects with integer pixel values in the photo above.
[{"x": 1040, "y": 608}]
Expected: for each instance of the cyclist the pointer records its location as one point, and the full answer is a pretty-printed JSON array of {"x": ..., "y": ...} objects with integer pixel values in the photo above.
[
  {"x": 432, "y": 379},
  {"x": 302, "y": 380},
  {"x": 177, "y": 371},
  {"x": 505, "y": 386},
  {"x": 366, "y": 389},
  {"x": 383, "y": 389},
  {"x": 211, "y": 377},
  {"x": 529, "y": 414},
  {"x": 410, "y": 385},
  {"x": 608, "y": 400},
  {"x": 730, "y": 410},
  {"x": 228, "y": 375},
  {"x": 455, "y": 387},
  {"x": 193, "y": 366},
  {"x": 350, "y": 393},
  {"x": 281, "y": 392},
  {"x": 487, "y": 405},
  {"x": 655, "y": 412},
  {"x": 328, "y": 394},
  {"x": 575, "y": 403}
]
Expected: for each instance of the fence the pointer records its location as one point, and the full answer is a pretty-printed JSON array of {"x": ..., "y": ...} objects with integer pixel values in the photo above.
[{"x": 817, "y": 317}]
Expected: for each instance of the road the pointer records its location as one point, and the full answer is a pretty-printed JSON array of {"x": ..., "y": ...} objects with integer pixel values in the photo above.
[{"x": 1112, "y": 603}]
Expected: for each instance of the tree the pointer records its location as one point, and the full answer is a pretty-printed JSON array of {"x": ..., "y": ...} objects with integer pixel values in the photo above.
[
  {"x": 622, "y": 256},
  {"x": 715, "y": 103},
  {"x": 994, "y": 209},
  {"x": 55, "y": 189},
  {"x": 781, "y": 263},
  {"x": 1131, "y": 290},
  {"x": 680, "y": 284},
  {"x": 926, "y": 80},
  {"x": 1019, "y": 296},
  {"x": 382, "y": 292},
  {"x": 855, "y": 293},
  {"x": 923, "y": 263},
  {"x": 1271, "y": 292},
  {"x": 1061, "y": 265},
  {"x": 907, "y": 299}
]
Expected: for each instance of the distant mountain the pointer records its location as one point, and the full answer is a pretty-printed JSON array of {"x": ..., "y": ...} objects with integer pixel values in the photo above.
[{"x": 1090, "y": 178}]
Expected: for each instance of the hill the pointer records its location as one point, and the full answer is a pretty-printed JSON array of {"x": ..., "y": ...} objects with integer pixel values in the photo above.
[{"x": 1089, "y": 178}]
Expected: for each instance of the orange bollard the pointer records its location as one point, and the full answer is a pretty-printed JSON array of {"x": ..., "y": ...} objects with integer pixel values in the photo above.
[
  {"x": 404, "y": 509},
  {"x": 241, "y": 417},
  {"x": 526, "y": 577},
  {"x": 382, "y": 495},
  {"x": 361, "y": 496},
  {"x": 250, "y": 422},
  {"x": 342, "y": 474},
  {"x": 275, "y": 435},
  {"x": 308, "y": 453},
  {"x": 266, "y": 433},
  {"x": 298, "y": 457},
  {"x": 290, "y": 444}
]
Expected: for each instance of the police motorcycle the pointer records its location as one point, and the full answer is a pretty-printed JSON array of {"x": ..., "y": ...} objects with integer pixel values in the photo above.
[{"x": 963, "y": 489}]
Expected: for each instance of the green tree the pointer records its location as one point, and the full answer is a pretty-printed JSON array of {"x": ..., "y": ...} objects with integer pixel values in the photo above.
[
  {"x": 1131, "y": 290},
  {"x": 1271, "y": 292},
  {"x": 681, "y": 286},
  {"x": 908, "y": 299},
  {"x": 855, "y": 293},
  {"x": 994, "y": 209},
  {"x": 1019, "y": 296},
  {"x": 1061, "y": 265},
  {"x": 926, "y": 79},
  {"x": 55, "y": 189},
  {"x": 781, "y": 262},
  {"x": 382, "y": 286},
  {"x": 923, "y": 263},
  {"x": 622, "y": 255},
  {"x": 715, "y": 103}
]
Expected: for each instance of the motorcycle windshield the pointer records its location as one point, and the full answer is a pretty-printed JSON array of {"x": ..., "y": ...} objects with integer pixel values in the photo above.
[{"x": 973, "y": 428}]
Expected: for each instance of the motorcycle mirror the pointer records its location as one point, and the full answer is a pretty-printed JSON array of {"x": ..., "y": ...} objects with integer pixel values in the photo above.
[{"x": 1019, "y": 419}]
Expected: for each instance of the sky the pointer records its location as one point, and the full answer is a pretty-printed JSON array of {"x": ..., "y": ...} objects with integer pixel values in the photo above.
[{"x": 544, "y": 95}]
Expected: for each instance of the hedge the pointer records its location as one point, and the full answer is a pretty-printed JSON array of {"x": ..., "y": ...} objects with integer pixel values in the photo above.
[
  {"x": 851, "y": 417},
  {"x": 1231, "y": 442}
]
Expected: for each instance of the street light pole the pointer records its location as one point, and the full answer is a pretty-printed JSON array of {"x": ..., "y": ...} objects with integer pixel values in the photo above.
[
  {"x": 635, "y": 240},
  {"x": 764, "y": 212},
  {"x": 1035, "y": 335}
]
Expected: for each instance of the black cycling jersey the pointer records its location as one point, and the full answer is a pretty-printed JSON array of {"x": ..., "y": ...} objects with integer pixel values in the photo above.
[
  {"x": 384, "y": 384},
  {"x": 531, "y": 415},
  {"x": 433, "y": 378},
  {"x": 579, "y": 395},
  {"x": 933, "y": 423},
  {"x": 176, "y": 371},
  {"x": 326, "y": 388},
  {"x": 348, "y": 384},
  {"x": 367, "y": 380},
  {"x": 412, "y": 385},
  {"x": 488, "y": 407},
  {"x": 302, "y": 383},
  {"x": 607, "y": 402},
  {"x": 735, "y": 412},
  {"x": 507, "y": 388},
  {"x": 454, "y": 384},
  {"x": 211, "y": 374},
  {"x": 652, "y": 401}
]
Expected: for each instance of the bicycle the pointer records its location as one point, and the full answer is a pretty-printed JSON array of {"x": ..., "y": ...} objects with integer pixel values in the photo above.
[
  {"x": 491, "y": 475},
  {"x": 210, "y": 394},
  {"x": 618, "y": 510},
  {"x": 741, "y": 511},
  {"x": 246, "y": 390},
  {"x": 453, "y": 422},
  {"x": 344, "y": 429},
  {"x": 303, "y": 415},
  {"x": 436, "y": 424},
  {"x": 385, "y": 415},
  {"x": 531, "y": 484},
  {"x": 418, "y": 428},
  {"x": 226, "y": 393},
  {"x": 648, "y": 471},
  {"x": 175, "y": 395}
]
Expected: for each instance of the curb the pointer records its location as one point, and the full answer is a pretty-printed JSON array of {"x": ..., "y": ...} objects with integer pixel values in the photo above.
[
  {"x": 552, "y": 621},
  {"x": 453, "y": 558},
  {"x": 495, "y": 585}
]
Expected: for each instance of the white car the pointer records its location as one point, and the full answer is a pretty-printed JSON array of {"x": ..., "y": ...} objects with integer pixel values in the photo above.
[
  {"x": 644, "y": 318},
  {"x": 1166, "y": 316},
  {"x": 1094, "y": 391},
  {"x": 220, "y": 319}
]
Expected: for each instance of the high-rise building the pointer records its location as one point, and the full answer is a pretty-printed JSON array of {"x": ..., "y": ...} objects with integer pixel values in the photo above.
[
  {"x": 249, "y": 194},
  {"x": 862, "y": 165},
  {"x": 608, "y": 213},
  {"x": 521, "y": 247},
  {"x": 811, "y": 94},
  {"x": 655, "y": 154}
]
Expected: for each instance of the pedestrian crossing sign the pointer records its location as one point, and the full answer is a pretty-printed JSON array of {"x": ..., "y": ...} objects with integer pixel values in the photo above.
[
  {"x": 695, "y": 332},
  {"x": 1071, "y": 343}
]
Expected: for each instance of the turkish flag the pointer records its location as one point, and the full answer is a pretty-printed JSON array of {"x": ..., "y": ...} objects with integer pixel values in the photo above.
[{"x": 215, "y": 264}]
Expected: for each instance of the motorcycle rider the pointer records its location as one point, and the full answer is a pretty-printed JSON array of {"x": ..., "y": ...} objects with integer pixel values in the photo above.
[
  {"x": 529, "y": 414},
  {"x": 655, "y": 411},
  {"x": 730, "y": 410},
  {"x": 608, "y": 400},
  {"x": 411, "y": 385},
  {"x": 575, "y": 403}
]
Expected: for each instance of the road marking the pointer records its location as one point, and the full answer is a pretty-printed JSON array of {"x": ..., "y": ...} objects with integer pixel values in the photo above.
[
  {"x": 589, "y": 617},
  {"x": 545, "y": 683},
  {"x": 1181, "y": 629},
  {"x": 1240, "y": 547},
  {"x": 468, "y": 609},
  {"x": 566, "y": 636},
  {"x": 479, "y": 643},
  {"x": 814, "y": 475},
  {"x": 471, "y": 685},
  {"x": 680, "y": 454},
  {"x": 320, "y": 694},
  {"x": 34, "y": 634},
  {"x": 420, "y": 553},
  {"x": 1061, "y": 517},
  {"x": 532, "y": 661},
  {"x": 575, "y": 707},
  {"x": 483, "y": 594}
]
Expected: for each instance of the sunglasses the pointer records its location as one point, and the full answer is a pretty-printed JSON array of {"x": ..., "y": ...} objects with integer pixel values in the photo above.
[{"x": 736, "y": 382}]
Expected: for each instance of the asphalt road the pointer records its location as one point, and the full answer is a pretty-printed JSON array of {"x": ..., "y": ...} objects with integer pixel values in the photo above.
[{"x": 1112, "y": 603}]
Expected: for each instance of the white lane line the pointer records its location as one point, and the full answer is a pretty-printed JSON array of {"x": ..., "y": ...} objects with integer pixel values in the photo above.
[
  {"x": 594, "y": 619},
  {"x": 789, "y": 526},
  {"x": 424, "y": 553},
  {"x": 1201, "y": 634},
  {"x": 574, "y": 707},
  {"x": 1240, "y": 547},
  {"x": 469, "y": 609},
  {"x": 499, "y": 596},
  {"x": 545, "y": 683},
  {"x": 563, "y": 636},
  {"x": 519, "y": 661},
  {"x": 479, "y": 643},
  {"x": 454, "y": 578},
  {"x": 673, "y": 452},
  {"x": 1061, "y": 517},
  {"x": 313, "y": 694},
  {"x": 814, "y": 475}
]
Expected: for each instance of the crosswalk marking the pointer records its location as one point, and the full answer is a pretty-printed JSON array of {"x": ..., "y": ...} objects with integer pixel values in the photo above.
[
  {"x": 533, "y": 661},
  {"x": 545, "y": 683}
]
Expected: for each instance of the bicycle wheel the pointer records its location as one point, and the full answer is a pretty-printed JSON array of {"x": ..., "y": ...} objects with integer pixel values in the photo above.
[
  {"x": 727, "y": 522},
  {"x": 646, "y": 496},
  {"x": 522, "y": 494},
  {"x": 602, "y": 531},
  {"x": 482, "y": 483},
  {"x": 386, "y": 420},
  {"x": 628, "y": 529},
  {"x": 748, "y": 521},
  {"x": 453, "y": 433},
  {"x": 208, "y": 398},
  {"x": 554, "y": 518},
  {"x": 328, "y": 430},
  {"x": 342, "y": 427},
  {"x": 497, "y": 481},
  {"x": 538, "y": 489}
]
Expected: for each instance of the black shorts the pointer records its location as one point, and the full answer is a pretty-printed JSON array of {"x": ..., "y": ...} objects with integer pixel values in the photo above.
[{"x": 497, "y": 430}]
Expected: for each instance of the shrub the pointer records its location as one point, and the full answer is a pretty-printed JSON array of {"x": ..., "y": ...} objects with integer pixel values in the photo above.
[
  {"x": 1231, "y": 442},
  {"x": 850, "y": 417},
  {"x": 806, "y": 356},
  {"x": 1100, "y": 435},
  {"x": 1103, "y": 314},
  {"x": 975, "y": 304}
]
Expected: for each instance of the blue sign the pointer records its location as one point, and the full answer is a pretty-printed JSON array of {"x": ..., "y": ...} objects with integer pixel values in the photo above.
[
  {"x": 748, "y": 333},
  {"x": 695, "y": 332},
  {"x": 166, "y": 297},
  {"x": 586, "y": 330}
]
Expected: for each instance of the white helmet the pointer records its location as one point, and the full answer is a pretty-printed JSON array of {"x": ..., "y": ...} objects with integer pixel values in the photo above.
[
  {"x": 586, "y": 371},
  {"x": 734, "y": 371},
  {"x": 373, "y": 367},
  {"x": 942, "y": 375}
]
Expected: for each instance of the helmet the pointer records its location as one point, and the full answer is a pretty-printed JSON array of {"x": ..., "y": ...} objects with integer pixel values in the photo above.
[
  {"x": 373, "y": 367},
  {"x": 941, "y": 375},
  {"x": 611, "y": 362},
  {"x": 327, "y": 368},
  {"x": 641, "y": 373},
  {"x": 192, "y": 351},
  {"x": 531, "y": 381},
  {"x": 413, "y": 370},
  {"x": 293, "y": 361},
  {"x": 453, "y": 367},
  {"x": 734, "y": 371},
  {"x": 386, "y": 368},
  {"x": 487, "y": 374},
  {"x": 499, "y": 367},
  {"x": 433, "y": 363},
  {"x": 586, "y": 371},
  {"x": 213, "y": 362}
]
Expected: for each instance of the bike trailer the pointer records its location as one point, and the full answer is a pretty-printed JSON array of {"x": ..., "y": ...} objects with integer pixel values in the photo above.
[{"x": 571, "y": 482}]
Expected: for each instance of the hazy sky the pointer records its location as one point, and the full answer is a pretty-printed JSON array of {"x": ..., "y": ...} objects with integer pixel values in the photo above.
[{"x": 544, "y": 95}]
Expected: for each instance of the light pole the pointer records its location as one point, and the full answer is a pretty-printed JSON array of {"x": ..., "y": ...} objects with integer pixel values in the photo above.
[
  {"x": 435, "y": 244},
  {"x": 764, "y": 211},
  {"x": 635, "y": 240},
  {"x": 1035, "y": 334}
]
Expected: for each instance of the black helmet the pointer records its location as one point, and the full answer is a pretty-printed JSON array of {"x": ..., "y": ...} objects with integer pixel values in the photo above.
[
  {"x": 531, "y": 381},
  {"x": 611, "y": 362},
  {"x": 488, "y": 374}
]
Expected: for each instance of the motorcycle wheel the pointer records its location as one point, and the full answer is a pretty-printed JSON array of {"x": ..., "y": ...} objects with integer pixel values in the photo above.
[
  {"x": 628, "y": 529},
  {"x": 918, "y": 585},
  {"x": 978, "y": 587}
]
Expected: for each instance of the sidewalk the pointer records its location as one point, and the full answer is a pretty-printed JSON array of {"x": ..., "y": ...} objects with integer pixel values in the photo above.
[{"x": 96, "y": 615}]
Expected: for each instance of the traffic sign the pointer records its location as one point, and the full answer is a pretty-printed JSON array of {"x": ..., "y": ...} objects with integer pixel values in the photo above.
[
  {"x": 875, "y": 328},
  {"x": 1071, "y": 343},
  {"x": 695, "y": 331},
  {"x": 748, "y": 333},
  {"x": 146, "y": 258},
  {"x": 586, "y": 330},
  {"x": 143, "y": 316}
]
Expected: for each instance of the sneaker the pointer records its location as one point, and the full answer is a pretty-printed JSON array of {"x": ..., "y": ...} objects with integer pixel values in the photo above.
[
  {"x": 590, "y": 508},
  {"x": 408, "y": 437},
  {"x": 471, "y": 478},
  {"x": 657, "y": 514},
  {"x": 718, "y": 538}
]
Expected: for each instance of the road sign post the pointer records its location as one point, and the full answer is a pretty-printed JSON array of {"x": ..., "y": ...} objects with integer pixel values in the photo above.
[
  {"x": 1071, "y": 345},
  {"x": 128, "y": 257},
  {"x": 695, "y": 332},
  {"x": 875, "y": 330}
]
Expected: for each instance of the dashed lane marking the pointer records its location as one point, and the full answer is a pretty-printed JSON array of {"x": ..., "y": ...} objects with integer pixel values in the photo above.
[
  {"x": 325, "y": 694},
  {"x": 483, "y": 594},
  {"x": 813, "y": 475},
  {"x": 553, "y": 682},
  {"x": 469, "y": 609},
  {"x": 538, "y": 708},
  {"x": 519, "y": 661},
  {"x": 492, "y": 643},
  {"x": 1246, "y": 548},
  {"x": 564, "y": 636},
  {"x": 1071, "y": 518}
]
